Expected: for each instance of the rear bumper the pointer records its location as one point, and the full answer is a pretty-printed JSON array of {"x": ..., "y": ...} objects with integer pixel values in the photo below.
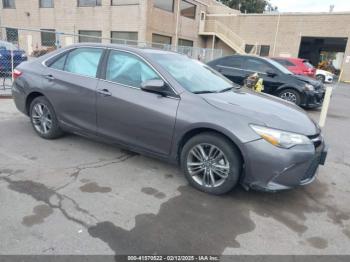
[
  {"x": 19, "y": 97},
  {"x": 269, "y": 168}
]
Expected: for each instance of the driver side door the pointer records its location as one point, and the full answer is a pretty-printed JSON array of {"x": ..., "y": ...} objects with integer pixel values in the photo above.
[{"x": 128, "y": 115}]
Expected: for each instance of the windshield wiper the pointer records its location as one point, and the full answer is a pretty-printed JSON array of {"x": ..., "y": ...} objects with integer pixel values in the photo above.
[
  {"x": 225, "y": 90},
  {"x": 205, "y": 92}
]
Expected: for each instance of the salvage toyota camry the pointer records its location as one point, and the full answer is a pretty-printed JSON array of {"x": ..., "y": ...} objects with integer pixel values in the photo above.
[{"x": 171, "y": 107}]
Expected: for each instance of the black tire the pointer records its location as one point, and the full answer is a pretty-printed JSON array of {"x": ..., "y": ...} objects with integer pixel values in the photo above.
[
  {"x": 290, "y": 95},
  {"x": 54, "y": 131},
  {"x": 321, "y": 78},
  {"x": 231, "y": 153}
]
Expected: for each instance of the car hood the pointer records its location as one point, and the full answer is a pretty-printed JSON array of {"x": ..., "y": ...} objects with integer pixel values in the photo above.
[
  {"x": 307, "y": 79},
  {"x": 263, "y": 108}
]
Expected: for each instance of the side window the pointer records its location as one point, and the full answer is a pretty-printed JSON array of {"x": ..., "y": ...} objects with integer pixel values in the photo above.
[
  {"x": 256, "y": 65},
  {"x": 83, "y": 61},
  {"x": 59, "y": 63},
  {"x": 128, "y": 69},
  {"x": 235, "y": 62}
]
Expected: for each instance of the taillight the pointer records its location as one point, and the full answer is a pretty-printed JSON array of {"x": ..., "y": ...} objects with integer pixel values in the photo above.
[{"x": 16, "y": 73}]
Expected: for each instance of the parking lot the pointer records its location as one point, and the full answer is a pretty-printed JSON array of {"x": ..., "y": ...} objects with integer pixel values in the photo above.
[{"x": 76, "y": 196}]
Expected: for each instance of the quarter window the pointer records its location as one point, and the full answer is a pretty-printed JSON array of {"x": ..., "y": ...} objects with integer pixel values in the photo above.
[
  {"x": 167, "y": 5},
  {"x": 188, "y": 9},
  {"x": 59, "y": 63},
  {"x": 128, "y": 69},
  {"x": 82, "y": 61}
]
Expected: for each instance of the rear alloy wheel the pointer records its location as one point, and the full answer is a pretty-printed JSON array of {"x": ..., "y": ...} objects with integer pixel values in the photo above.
[
  {"x": 43, "y": 119},
  {"x": 211, "y": 163},
  {"x": 290, "y": 95},
  {"x": 321, "y": 78}
]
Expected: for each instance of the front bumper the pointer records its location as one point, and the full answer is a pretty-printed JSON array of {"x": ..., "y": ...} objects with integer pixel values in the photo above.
[
  {"x": 313, "y": 99},
  {"x": 270, "y": 168}
]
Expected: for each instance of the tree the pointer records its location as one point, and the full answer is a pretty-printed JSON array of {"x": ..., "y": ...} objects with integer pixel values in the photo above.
[{"x": 250, "y": 6}]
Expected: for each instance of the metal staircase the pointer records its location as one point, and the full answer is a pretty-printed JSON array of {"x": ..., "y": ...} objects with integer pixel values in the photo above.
[{"x": 223, "y": 32}]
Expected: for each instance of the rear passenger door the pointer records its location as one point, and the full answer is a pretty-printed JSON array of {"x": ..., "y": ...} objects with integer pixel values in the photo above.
[
  {"x": 231, "y": 67},
  {"x": 70, "y": 83}
]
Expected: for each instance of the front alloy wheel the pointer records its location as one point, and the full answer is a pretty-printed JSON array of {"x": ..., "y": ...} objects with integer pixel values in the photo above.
[
  {"x": 208, "y": 165},
  {"x": 290, "y": 95},
  {"x": 211, "y": 163}
]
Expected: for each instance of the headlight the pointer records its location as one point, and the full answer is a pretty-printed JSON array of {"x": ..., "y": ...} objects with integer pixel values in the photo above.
[
  {"x": 309, "y": 87},
  {"x": 24, "y": 55},
  {"x": 281, "y": 138}
]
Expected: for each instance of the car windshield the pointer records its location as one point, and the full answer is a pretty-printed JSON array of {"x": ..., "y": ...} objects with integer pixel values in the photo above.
[
  {"x": 193, "y": 75},
  {"x": 279, "y": 67},
  {"x": 7, "y": 46},
  {"x": 308, "y": 64}
]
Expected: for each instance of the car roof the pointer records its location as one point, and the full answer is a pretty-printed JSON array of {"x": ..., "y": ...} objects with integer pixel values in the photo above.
[
  {"x": 294, "y": 59},
  {"x": 135, "y": 49}
]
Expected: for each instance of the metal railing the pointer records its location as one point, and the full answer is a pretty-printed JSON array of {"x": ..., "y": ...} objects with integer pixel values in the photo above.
[
  {"x": 225, "y": 34},
  {"x": 21, "y": 44}
]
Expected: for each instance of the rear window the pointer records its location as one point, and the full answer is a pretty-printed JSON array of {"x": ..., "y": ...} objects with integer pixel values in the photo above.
[{"x": 308, "y": 64}]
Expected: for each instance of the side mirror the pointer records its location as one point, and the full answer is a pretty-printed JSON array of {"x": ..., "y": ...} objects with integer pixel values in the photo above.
[
  {"x": 155, "y": 86},
  {"x": 271, "y": 73}
]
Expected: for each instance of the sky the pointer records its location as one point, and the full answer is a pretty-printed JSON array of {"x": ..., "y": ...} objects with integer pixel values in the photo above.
[{"x": 311, "y": 5}]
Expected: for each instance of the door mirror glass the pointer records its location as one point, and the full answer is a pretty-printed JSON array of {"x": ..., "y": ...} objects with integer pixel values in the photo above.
[{"x": 155, "y": 86}]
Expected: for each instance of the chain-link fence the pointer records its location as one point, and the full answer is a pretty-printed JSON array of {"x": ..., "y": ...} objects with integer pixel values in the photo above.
[{"x": 19, "y": 44}]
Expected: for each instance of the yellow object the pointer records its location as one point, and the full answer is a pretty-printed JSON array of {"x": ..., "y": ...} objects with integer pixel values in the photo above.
[{"x": 259, "y": 86}]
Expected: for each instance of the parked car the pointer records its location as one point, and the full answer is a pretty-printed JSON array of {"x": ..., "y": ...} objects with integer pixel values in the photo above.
[
  {"x": 278, "y": 80},
  {"x": 324, "y": 76},
  {"x": 297, "y": 66},
  {"x": 169, "y": 106},
  {"x": 19, "y": 56}
]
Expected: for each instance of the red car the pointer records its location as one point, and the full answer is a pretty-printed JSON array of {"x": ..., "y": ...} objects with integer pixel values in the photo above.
[{"x": 297, "y": 66}]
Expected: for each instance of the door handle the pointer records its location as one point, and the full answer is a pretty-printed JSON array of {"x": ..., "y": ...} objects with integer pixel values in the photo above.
[
  {"x": 50, "y": 77},
  {"x": 104, "y": 92}
]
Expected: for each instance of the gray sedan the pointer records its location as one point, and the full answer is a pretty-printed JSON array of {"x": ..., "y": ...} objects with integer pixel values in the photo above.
[{"x": 168, "y": 106}]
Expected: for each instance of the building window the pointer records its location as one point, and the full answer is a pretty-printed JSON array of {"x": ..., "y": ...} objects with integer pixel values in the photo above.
[
  {"x": 264, "y": 50},
  {"x": 125, "y": 2},
  {"x": 248, "y": 48},
  {"x": 188, "y": 9},
  {"x": 48, "y": 38},
  {"x": 89, "y": 2},
  {"x": 184, "y": 42},
  {"x": 161, "y": 39},
  {"x": 8, "y": 4},
  {"x": 46, "y": 3},
  {"x": 119, "y": 37},
  {"x": 87, "y": 36},
  {"x": 12, "y": 35},
  {"x": 167, "y": 5}
]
